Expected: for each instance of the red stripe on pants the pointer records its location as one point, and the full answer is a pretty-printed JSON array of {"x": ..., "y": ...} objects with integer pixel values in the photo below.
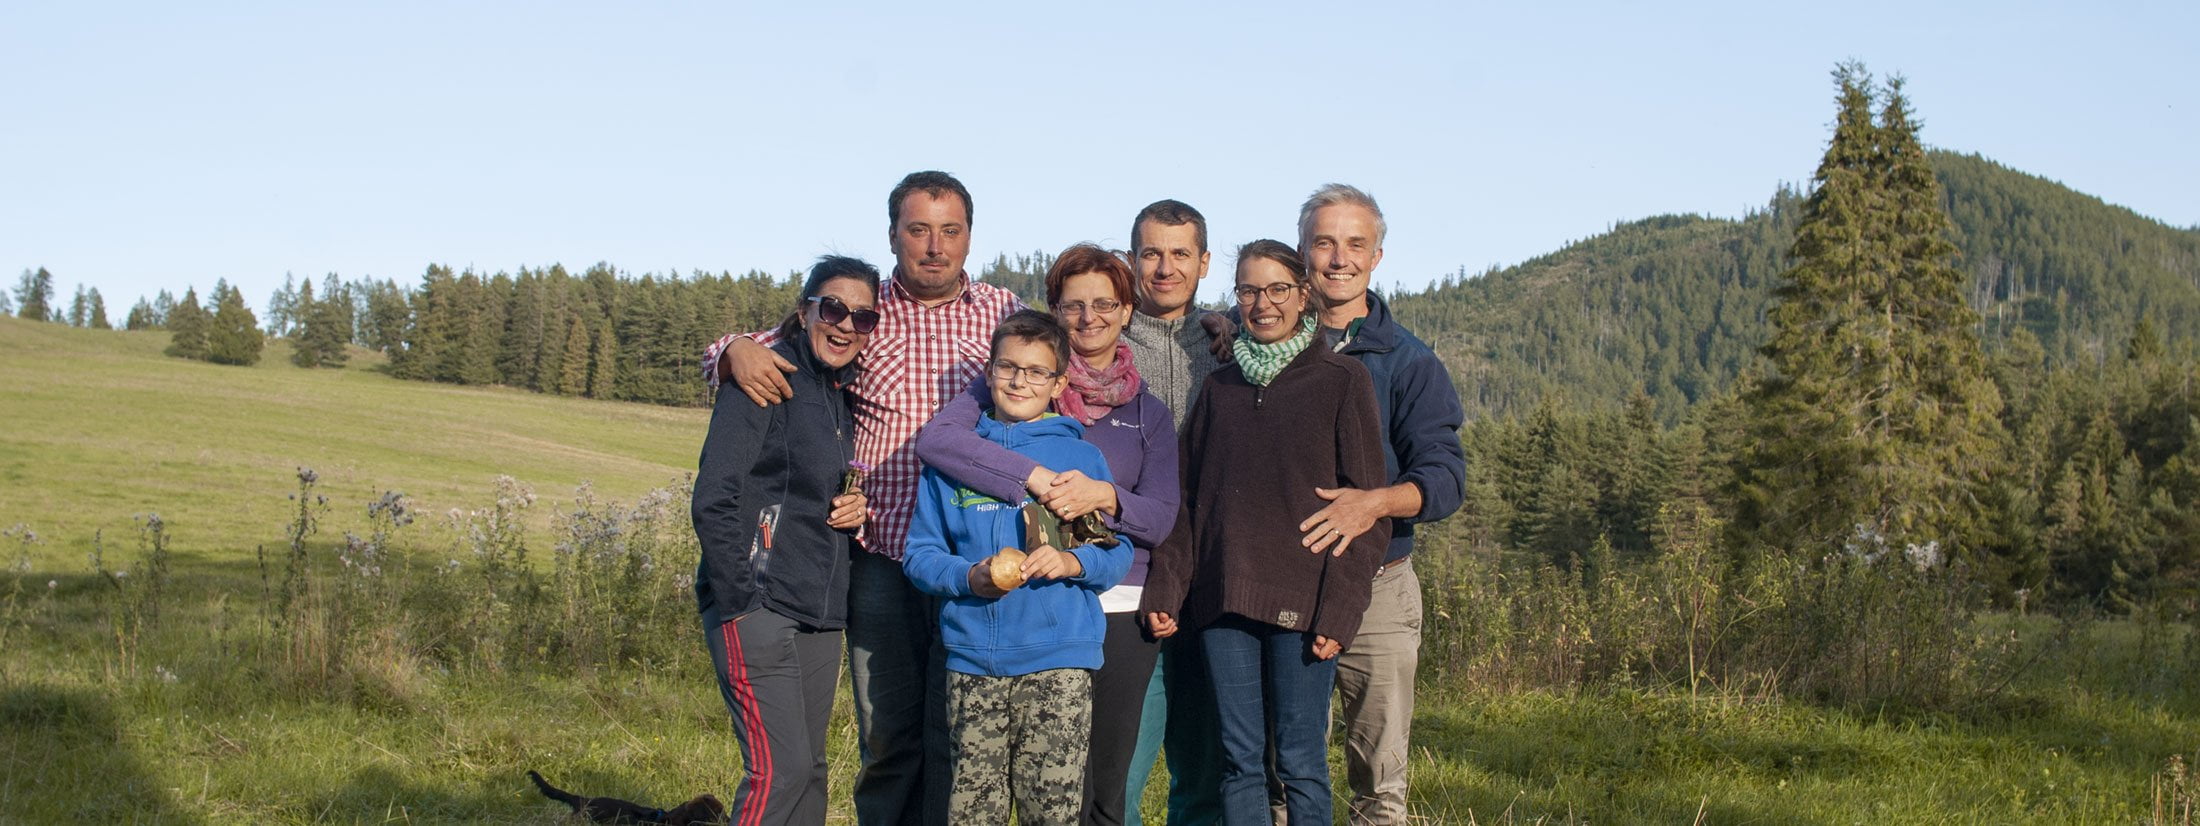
[{"x": 759, "y": 748}]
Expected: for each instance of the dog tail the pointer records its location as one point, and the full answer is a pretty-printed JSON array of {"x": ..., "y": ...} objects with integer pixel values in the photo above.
[{"x": 555, "y": 793}]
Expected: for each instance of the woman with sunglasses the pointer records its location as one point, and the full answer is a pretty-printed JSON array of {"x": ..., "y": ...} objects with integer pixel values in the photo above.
[
  {"x": 777, "y": 497},
  {"x": 1288, "y": 416},
  {"x": 1092, "y": 293}
]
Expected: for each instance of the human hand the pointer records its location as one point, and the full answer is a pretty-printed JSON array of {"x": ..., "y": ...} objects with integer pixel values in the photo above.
[
  {"x": 994, "y": 576},
  {"x": 759, "y": 372},
  {"x": 848, "y": 511},
  {"x": 1040, "y": 480},
  {"x": 1221, "y": 332},
  {"x": 1326, "y": 648},
  {"x": 1160, "y": 624},
  {"x": 1350, "y": 512},
  {"x": 1073, "y": 494},
  {"x": 1049, "y": 562}
]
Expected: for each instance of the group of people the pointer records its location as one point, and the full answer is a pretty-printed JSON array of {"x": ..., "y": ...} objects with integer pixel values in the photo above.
[{"x": 1061, "y": 544}]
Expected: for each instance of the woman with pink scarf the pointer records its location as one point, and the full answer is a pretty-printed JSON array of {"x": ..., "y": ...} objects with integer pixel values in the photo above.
[{"x": 1092, "y": 292}]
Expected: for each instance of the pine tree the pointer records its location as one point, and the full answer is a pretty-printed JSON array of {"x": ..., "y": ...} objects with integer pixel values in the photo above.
[
  {"x": 188, "y": 325},
  {"x": 163, "y": 304},
  {"x": 302, "y": 303},
  {"x": 1876, "y": 426},
  {"x": 96, "y": 317},
  {"x": 80, "y": 309},
  {"x": 320, "y": 341},
  {"x": 603, "y": 369},
  {"x": 573, "y": 365},
  {"x": 7, "y": 307},
  {"x": 141, "y": 316},
  {"x": 34, "y": 296},
  {"x": 283, "y": 308},
  {"x": 340, "y": 294},
  {"x": 233, "y": 336}
]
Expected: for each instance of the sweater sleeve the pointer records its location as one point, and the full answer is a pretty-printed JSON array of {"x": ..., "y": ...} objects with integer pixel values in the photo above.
[
  {"x": 717, "y": 348},
  {"x": 1103, "y": 567},
  {"x": 1175, "y": 561},
  {"x": 927, "y": 559},
  {"x": 725, "y": 524},
  {"x": 1148, "y": 512},
  {"x": 1348, "y": 580},
  {"x": 950, "y": 442},
  {"x": 1424, "y": 434}
]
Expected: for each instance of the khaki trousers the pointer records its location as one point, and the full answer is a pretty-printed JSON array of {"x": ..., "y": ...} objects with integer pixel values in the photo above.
[{"x": 1375, "y": 685}]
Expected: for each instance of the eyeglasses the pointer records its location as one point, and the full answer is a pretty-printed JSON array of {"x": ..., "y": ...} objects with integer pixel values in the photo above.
[
  {"x": 831, "y": 311},
  {"x": 1008, "y": 371},
  {"x": 1277, "y": 292},
  {"x": 1102, "y": 306}
]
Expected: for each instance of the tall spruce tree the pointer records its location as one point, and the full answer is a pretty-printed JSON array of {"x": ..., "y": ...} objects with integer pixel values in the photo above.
[
  {"x": 80, "y": 309},
  {"x": 34, "y": 295},
  {"x": 140, "y": 317},
  {"x": 320, "y": 339},
  {"x": 233, "y": 335},
  {"x": 1875, "y": 426},
  {"x": 95, "y": 315},
  {"x": 187, "y": 327}
]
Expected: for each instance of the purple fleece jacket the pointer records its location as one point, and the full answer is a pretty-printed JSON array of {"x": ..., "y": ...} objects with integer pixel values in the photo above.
[{"x": 1138, "y": 440}]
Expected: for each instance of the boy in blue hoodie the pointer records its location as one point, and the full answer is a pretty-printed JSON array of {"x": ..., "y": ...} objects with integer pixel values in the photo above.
[{"x": 1022, "y": 639}]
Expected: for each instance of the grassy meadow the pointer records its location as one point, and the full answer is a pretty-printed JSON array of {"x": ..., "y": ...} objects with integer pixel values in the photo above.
[{"x": 249, "y": 661}]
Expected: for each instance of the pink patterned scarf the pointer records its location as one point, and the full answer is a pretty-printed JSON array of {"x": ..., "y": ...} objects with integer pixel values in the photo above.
[{"x": 1093, "y": 392}]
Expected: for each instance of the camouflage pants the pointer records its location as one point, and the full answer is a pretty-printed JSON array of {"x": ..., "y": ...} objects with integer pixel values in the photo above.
[{"x": 1022, "y": 737}]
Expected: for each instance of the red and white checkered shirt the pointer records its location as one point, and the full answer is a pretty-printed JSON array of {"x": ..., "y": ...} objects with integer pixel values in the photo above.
[{"x": 917, "y": 359}]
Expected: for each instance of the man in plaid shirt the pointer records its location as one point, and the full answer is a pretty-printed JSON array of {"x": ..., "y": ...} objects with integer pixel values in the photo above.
[{"x": 932, "y": 340}]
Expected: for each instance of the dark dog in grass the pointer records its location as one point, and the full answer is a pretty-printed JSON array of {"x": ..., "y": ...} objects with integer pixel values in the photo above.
[{"x": 704, "y": 810}]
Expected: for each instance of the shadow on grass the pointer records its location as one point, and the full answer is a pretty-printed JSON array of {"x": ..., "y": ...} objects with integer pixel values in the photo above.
[{"x": 62, "y": 760}]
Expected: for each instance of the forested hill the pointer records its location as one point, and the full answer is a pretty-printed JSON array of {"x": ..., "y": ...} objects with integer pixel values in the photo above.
[{"x": 1675, "y": 304}]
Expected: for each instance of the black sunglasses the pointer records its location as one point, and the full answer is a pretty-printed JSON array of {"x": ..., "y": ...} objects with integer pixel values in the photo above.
[{"x": 831, "y": 311}]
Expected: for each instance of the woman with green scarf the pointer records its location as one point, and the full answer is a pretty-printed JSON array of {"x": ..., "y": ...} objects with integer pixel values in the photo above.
[{"x": 1287, "y": 417}]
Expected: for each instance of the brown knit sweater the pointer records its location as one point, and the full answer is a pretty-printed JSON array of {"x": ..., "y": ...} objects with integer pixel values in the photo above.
[{"x": 1252, "y": 457}]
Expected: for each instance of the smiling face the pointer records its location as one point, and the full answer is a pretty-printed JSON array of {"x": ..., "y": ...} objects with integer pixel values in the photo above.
[
  {"x": 930, "y": 241},
  {"x": 838, "y": 344},
  {"x": 1342, "y": 245},
  {"x": 1269, "y": 321},
  {"x": 1169, "y": 264},
  {"x": 1092, "y": 334},
  {"x": 1017, "y": 396}
]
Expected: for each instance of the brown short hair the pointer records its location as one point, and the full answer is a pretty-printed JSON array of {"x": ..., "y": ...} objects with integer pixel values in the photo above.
[
  {"x": 1083, "y": 258},
  {"x": 931, "y": 182},
  {"x": 1032, "y": 325},
  {"x": 1169, "y": 212}
]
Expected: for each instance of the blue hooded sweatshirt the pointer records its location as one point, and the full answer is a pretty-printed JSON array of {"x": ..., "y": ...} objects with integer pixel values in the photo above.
[{"x": 1042, "y": 625}]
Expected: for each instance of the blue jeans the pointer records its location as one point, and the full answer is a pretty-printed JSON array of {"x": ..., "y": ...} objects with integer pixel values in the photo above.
[
  {"x": 1191, "y": 745},
  {"x": 1267, "y": 679},
  {"x": 899, "y": 675}
]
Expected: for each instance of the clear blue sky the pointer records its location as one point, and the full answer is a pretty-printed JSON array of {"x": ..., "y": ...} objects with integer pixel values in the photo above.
[{"x": 150, "y": 145}]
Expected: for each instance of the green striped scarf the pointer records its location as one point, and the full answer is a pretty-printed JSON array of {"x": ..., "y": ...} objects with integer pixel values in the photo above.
[{"x": 1261, "y": 362}]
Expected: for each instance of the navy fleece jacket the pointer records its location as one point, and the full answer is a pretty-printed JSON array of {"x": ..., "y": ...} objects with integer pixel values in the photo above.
[
  {"x": 1042, "y": 625},
  {"x": 1421, "y": 416}
]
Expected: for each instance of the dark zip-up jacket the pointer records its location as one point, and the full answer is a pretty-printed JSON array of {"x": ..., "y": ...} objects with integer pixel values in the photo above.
[
  {"x": 763, "y": 491},
  {"x": 1421, "y": 416}
]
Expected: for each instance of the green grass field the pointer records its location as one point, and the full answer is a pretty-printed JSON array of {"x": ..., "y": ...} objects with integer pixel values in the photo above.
[
  {"x": 101, "y": 427},
  {"x": 190, "y": 724}
]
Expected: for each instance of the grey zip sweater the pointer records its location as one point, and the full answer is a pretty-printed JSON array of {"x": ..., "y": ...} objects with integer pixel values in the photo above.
[{"x": 1173, "y": 357}]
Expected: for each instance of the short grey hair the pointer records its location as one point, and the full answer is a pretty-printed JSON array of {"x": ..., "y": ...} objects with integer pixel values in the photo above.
[{"x": 1333, "y": 195}]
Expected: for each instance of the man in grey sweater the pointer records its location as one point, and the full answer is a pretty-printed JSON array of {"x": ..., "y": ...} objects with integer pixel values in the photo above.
[
  {"x": 1172, "y": 341},
  {"x": 1171, "y": 338}
]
